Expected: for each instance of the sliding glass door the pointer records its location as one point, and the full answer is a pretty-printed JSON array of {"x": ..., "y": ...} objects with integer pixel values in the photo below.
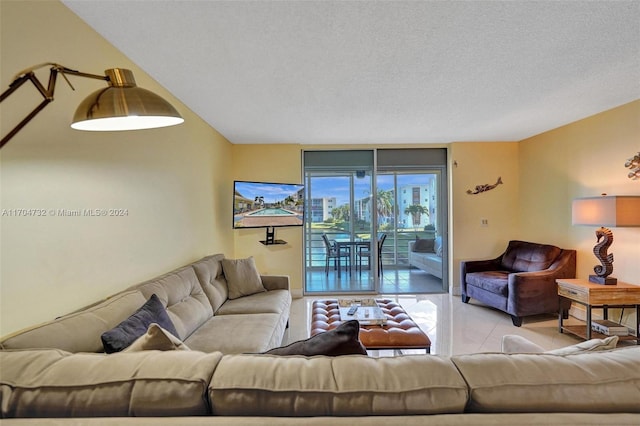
[
  {"x": 365, "y": 210},
  {"x": 338, "y": 228}
]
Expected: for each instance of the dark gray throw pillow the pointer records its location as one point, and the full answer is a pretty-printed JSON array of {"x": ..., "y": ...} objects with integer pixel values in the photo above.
[
  {"x": 125, "y": 333},
  {"x": 423, "y": 245},
  {"x": 342, "y": 340}
]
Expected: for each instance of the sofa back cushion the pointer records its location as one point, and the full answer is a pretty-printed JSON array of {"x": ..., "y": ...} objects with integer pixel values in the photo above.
[
  {"x": 79, "y": 331},
  {"x": 600, "y": 382},
  {"x": 351, "y": 385},
  {"x": 522, "y": 256},
  {"x": 211, "y": 276},
  {"x": 53, "y": 383},
  {"x": 181, "y": 293}
]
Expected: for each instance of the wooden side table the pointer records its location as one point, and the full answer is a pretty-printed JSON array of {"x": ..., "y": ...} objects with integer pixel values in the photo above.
[{"x": 592, "y": 295}]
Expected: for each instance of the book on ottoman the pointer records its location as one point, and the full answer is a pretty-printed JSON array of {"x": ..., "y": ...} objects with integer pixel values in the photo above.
[{"x": 366, "y": 311}]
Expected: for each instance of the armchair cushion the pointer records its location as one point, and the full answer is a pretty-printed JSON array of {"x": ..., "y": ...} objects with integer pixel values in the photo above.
[
  {"x": 493, "y": 281},
  {"x": 522, "y": 256}
]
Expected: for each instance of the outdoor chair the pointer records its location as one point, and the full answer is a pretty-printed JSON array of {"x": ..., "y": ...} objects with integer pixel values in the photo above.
[
  {"x": 332, "y": 252},
  {"x": 365, "y": 252}
]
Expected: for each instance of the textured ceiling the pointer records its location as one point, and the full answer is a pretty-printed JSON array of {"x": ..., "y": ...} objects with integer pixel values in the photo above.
[{"x": 324, "y": 72}]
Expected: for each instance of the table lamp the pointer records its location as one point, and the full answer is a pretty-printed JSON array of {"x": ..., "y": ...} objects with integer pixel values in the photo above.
[{"x": 614, "y": 211}]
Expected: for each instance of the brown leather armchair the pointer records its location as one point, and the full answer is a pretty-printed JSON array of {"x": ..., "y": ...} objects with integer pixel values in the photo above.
[{"x": 521, "y": 281}]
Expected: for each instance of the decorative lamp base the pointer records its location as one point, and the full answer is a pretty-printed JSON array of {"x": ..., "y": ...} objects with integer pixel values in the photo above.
[{"x": 603, "y": 280}]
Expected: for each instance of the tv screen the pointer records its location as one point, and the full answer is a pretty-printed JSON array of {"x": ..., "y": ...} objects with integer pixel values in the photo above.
[{"x": 267, "y": 204}]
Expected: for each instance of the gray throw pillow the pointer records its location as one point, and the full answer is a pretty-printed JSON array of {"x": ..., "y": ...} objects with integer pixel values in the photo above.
[
  {"x": 423, "y": 245},
  {"x": 342, "y": 340},
  {"x": 125, "y": 333},
  {"x": 243, "y": 278}
]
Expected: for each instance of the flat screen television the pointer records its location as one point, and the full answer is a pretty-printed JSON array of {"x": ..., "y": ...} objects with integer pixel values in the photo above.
[{"x": 267, "y": 204}]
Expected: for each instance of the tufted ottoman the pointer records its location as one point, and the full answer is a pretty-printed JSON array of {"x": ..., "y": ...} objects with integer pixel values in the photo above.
[{"x": 400, "y": 331}]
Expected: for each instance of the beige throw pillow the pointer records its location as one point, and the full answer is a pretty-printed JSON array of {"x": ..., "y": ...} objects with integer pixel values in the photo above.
[
  {"x": 242, "y": 277},
  {"x": 518, "y": 344},
  {"x": 592, "y": 345},
  {"x": 159, "y": 339}
]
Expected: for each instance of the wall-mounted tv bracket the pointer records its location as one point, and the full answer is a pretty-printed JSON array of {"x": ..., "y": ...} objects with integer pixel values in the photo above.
[{"x": 271, "y": 237}]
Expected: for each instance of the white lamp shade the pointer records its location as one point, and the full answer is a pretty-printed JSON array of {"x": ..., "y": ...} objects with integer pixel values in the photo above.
[{"x": 614, "y": 211}]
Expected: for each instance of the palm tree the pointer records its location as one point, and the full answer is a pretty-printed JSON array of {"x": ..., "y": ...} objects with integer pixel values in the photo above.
[
  {"x": 416, "y": 211},
  {"x": 385, "y": 204}
]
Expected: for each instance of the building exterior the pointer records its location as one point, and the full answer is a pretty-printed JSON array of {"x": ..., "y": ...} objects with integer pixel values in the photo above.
[{"x": 320, "y": 208}]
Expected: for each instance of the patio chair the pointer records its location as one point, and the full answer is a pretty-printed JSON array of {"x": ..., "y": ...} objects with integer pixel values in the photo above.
[
  {"x": 332, "y": 252},
  {"x": 365, "y": 251}
]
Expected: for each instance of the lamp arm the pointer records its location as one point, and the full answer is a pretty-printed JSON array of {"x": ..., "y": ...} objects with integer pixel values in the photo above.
[{"x": 47, "y": 93}]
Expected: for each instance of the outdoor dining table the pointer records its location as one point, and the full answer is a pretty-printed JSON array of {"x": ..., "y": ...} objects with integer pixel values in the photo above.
[{"x": 347, "y": 242}]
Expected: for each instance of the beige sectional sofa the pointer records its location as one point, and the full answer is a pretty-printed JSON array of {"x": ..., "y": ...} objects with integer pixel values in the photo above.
[
  {"x": 196, "y": 298},
  {"x": 192, "y": 387}
]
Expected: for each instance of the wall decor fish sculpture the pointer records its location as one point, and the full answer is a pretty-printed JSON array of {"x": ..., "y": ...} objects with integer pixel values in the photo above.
[{"x": 484, "y": 188}]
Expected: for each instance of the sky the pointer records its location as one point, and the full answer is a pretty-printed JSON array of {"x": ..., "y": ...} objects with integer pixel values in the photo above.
[
  {"x": 339, "y": 186},
  {"x": 272, "y": 192}
]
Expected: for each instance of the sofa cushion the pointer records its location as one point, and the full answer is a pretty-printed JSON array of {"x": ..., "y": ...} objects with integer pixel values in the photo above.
[
  {"x": 183, "y": 296},
  {"x": 136, "y": 325},
  {"x": 242, "y": 276},
  {"x": 352, "y": 385},
  {"x": 423, "y": 245},
  {"x": 606, "y": 382},
  {"x": 241, "y": 333},
  {"x": 342, "y": 340},
  {"x": 523, "y": 256},
  {"x": 272, "y": 301},
  {"x": 80, "y": 331},
  {"x": 437, "y": 245},
  {"x": 157, "y": 339},
  {"x": 53, "y": 383},
  {"x": 492, "y": 281},
  {"x": 211, "y": 276}
]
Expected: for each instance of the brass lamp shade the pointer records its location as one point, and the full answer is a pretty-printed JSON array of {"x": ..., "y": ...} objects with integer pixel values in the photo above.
[
  {"x": 124, "y": 106},
  {"x": 614, "y": 211}
]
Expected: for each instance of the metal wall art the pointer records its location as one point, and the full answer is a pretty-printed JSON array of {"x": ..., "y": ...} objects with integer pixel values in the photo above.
[
  {"x": 633, "y": 164},
  {"x": 485, "y": 187}
]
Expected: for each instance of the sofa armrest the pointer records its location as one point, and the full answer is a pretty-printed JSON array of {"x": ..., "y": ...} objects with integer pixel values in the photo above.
[{"x": 275, "y": 282}]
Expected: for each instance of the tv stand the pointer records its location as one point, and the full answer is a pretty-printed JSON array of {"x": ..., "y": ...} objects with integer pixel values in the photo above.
[{"x": 271, "y": 237}]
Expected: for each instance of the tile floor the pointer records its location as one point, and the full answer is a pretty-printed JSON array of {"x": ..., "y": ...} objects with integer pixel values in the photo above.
[
  {"x": 452, "y": 326},
  {"x": 395, "y": 280}
]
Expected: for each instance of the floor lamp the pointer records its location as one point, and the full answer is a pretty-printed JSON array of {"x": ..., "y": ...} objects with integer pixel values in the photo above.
[{"x": 120, "y": 106}]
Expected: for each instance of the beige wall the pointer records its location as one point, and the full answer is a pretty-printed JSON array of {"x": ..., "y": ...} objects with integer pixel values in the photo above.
[
  {"x": 270, "y": 163},
  {"x": 173, "y": 182},
  {"x": 479, "y": 164},
  {"x": 582, "y": 159}
]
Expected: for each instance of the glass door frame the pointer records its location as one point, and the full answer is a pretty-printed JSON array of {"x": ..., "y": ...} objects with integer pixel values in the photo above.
[{"x": 442, "y": 211}]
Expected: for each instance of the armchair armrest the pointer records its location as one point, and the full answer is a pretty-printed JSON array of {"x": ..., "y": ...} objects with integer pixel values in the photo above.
[
  {"x": 525, "y": 287},
  {"x": 469, "y": 266},
  {"x": 275, "y": 282}
]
